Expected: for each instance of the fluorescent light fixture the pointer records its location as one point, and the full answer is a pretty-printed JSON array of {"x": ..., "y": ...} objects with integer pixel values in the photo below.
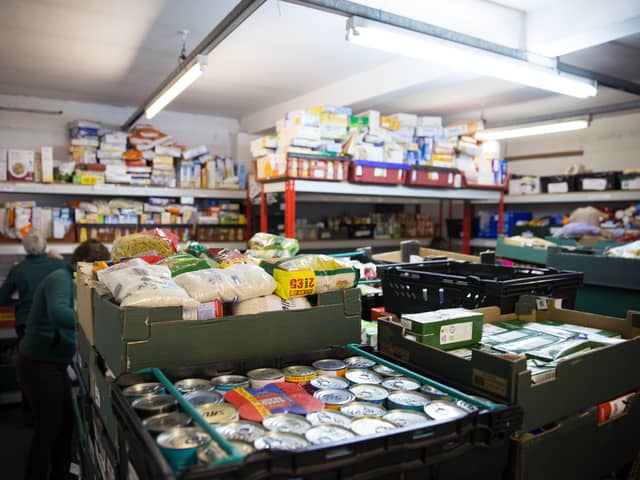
[
  {"x": 189, "y": 76},
  {"x": 527, "y": 131},
  {"x": 445, "y": 52}
]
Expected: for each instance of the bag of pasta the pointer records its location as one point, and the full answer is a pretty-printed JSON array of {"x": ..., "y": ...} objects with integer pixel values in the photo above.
[
  {"x": 154, "y": 242},
  {"x": 308, "y": 274}
]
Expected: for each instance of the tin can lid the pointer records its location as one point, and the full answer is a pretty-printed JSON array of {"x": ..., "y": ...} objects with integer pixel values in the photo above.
[
  {"x": 334, "y": 396},
  {"x": 432, "y": 391},
  {"x": 183, "y": 438},
  {"x": 188, "y": 385},
  {"x": 400, "y": 383},
  {"x": 241, "y": 430},
  {"x": 201, "y": 397},
  {"x": 359, "y": 362},
  {"x": 331, "y": 364},
  {"x": 406, "y": 418},
  {"x": 326, "y": 433},
  {"x": 363, "y": 376},
  {"x": 166, "y": 421},
  {"x": 140, "y": 389},
  {"x": 386, "y": 371},
  {"x": 298, "y": 371},
  {"x": 210, "y": 453},
  {"x": 330, "y": 417},
  {"x": 280, "y": 441},
  {"x": 229, "y": 380},
  {"x": 362, "y": 409},
  {"x": 369, "y": 392},
  {"x": 324, "y": 382},
  {"x": 371, "y": 426},
  {"x": 265, "y": 374},
  {"x": 440, "y": 410},
  {"x": 218, "y": 412},
  {"x": 287, "y": 423},
  {"x": 154, "y": 402},
  {"x": 409, "y": 398},
  {"x": 243, "y": 448}
]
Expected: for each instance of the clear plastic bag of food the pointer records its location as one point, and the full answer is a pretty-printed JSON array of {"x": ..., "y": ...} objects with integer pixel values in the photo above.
[
  {"x": 268, "y": 241},
  {"x": 156, "y": 241},
  {"x": 182, "y": 263},
  {"x": 269, "y": 303},
  {"x": 233, "y": 284}
]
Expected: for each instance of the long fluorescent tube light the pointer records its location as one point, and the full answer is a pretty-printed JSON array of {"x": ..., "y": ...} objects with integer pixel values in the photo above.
[
  {"x": 401, "y": 41},
  {"x": 524, "y": 131},
  {"x": 177, "y": 87}
]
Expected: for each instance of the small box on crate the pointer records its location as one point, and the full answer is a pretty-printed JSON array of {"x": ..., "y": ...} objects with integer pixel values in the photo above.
[{"x": 446, "y": 329}]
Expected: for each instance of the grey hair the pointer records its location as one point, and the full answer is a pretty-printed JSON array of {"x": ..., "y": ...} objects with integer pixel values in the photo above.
[{"x": 35, "y": 242}]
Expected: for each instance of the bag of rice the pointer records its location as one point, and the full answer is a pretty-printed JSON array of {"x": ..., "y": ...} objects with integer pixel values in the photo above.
[
  {"x": 181, "y": 263},
  {"x": 270, "y": 303},
  {"x": 269, "y": 244},
  {"x": 156, "y": 241},
  {"x": 233, "y": 284},
  {"x": 308, "y": 274}
]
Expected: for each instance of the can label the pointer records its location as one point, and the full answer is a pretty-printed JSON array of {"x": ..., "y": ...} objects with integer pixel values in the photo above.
[
  {"x": 334, "y": 398},
  {"x": 301, "y": 374},
  {"x": 218, "y": 412},
  {"x": 330, "y": 366}
]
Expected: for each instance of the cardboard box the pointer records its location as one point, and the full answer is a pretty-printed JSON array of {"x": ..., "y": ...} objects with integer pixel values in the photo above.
[
  {"x": 3, "y": 165},
  {"x": 46, "y": 164},
  {"x": 446, "y": 329},
  {"x": 21, "y": 165},
  {"x": 579, "y": 383},
  {"x": 425, "y": 253}
]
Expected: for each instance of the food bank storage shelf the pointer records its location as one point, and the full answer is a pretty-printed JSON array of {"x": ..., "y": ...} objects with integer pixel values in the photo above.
[
  {"x": 574, "y": 197},
  {"x": 338, "y": 192},
  {"x": 68, "y": 248},
  {"x": 114, "y": 190},
  {"x": 133, "y": 338},
  {"x": 362, "y": 457},
  {"x": 580, "y": 383}
]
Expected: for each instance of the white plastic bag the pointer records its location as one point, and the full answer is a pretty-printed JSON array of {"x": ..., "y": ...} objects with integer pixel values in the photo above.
[
  {"x": 270, "y": 303},
  {"x": 232, "y": 284}
]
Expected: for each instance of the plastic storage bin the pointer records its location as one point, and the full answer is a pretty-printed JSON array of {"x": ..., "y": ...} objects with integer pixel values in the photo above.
[{"x": 362, "y": 171}]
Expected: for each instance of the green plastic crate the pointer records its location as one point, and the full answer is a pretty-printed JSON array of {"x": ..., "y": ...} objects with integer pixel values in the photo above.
[{"x": 521, "y": 253}]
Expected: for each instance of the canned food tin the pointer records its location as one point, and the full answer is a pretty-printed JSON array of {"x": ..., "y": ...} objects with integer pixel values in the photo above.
[
  {"x": 280, "y": 441},
  {"x": 324, "y": 434},
  {"x": 370, "y": 393},
  {"x": 408, "y": 400},
  {"x": 210, "y": 453},
  {"x": 300, "y": 374},
  {"x": 166, "y": 421},
  {"x": 243, "y": 448},
  {"x": 401, "y": 383},
  {"x": 406, "y": 418},
  {"x": 286, "y": 423},
  {"x": 433, "y": 393},
  {"x": 362, "y": 409},
  {"x": 363, "y": 376},
  {"x": 180, "y": 446},
  {"x": 359, "y": 362},
  {"x": 328, "y": 417},
  {"x": 333, "y": 398},
  {"x": 151, "y": 405},
  {"x": 261, "y": 377},
  {"x": 439, "y": 411},
  {"x": 141, "y": 389},
  {"x": 243, "y": 431},
  {"x": 466, "y": 406},
  {"x": 202, "y": 397},
  {"x": 189, "y": 385},
  {"x": 371, "y": 426},
  {"x": 324, "y": 382},
  {"x": 218, "y": 412},
  {"x": 330, "y": 366},
  {"x": 385, "y": 371},
  {"x": 224, "y": 383}
]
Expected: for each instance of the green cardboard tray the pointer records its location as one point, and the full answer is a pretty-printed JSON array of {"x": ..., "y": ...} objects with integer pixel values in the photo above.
[{"x": 521, "y": 254}]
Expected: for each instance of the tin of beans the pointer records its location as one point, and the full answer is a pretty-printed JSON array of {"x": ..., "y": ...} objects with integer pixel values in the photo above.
[
  {"x": 328, "y": 417},
  {"x": 408, "y": 400},
  {"x": 180, "y": 446},
  {"x": 359, "y": 362},
  {"x": 261, "y": 377},
  {"x": 202, "y": 397},
  {"x": 142, "y": 389},
  {"x": 224, "y": 383},
  {"x": 326, "y": 382},
  {"x": 407, "y": 418},
  {"x": 371, "y": 426},
  {"x": 400, "y": 383},
  {"x": 189, "y": 385},
  {"x": 151, "y": 405},
  {"x": 370, "y": 393},
  {"x": 300, "y": 374},
  {"x": 363, "y": 376},
  {"x": 241, "y": 430},
  {"x": 330, "y": 366},
  {"x": 166, "y": 421},
  {"x": 218, "y": 412},
  {"x": 385, "y": 371},
  {"x": 325, "y": 434},
  {"x": 362, "y": 409},
  {"x": 433, "y": 393},
  {"x": 280, "y": 441},
  {"x": 286, "y": 423},
  {"x": 441, "y": 411},
  {"x": 333, "y": 398}
]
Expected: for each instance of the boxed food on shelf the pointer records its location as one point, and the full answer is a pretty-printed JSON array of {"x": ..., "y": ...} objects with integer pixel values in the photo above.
[
  {"x": 303, "y": 166},
  {"x": 20, "y": 165},
  {"x": 524, "y": 185},
  {"x": 573, "y": 382},
  {"x": 361, "y": 171},
  {"x": 598, "y": 181},
  {"x": 629, "y": 179},
  {"x": 558, "y": 183}
]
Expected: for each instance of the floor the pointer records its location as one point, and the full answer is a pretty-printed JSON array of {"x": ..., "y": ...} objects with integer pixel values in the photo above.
[{"x": 15, "y": 438}]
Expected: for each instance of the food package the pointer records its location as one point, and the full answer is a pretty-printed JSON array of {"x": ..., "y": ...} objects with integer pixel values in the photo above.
[
  {"x": 308, "y": 274},
  {"x": 138, "y": 284},
  {"x": 280, "y": 397},
  {"x": 268, "y": 242},
  {"x": 158, "y": 241},
  {"x": 630, "y": 250},
  {"x": 233, "y": 284},
  {"x": 204, "y": 311},
  {"x": 269, "y": 303},
  {"x": 181, "y": 263}
]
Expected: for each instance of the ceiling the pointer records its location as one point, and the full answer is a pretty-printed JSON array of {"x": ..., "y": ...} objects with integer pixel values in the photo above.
[{"x": 118, "y": 52}]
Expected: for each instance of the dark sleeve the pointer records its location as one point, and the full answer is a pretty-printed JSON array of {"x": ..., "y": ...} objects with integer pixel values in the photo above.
[
  {"x": 7, "y": 289},
  {"x": 59, "y": 304}
]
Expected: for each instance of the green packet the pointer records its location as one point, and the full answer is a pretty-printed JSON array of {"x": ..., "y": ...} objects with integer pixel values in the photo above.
[
  {"x": 527, "y": 344},
  {"x": 563, "y": 349},
  {"x": 579, "y": 329},
  {"x": 182, "y": 263}
]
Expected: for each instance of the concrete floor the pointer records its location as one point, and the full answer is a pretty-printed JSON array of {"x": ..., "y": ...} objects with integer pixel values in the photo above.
[{"x": 15, "y": 439}]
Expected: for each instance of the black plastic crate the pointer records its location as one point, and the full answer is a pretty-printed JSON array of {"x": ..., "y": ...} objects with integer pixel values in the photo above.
[
  {"x": 598, "y": 181},
  {"x": 405, "y": 450},
  {"x": 558, "y": 183},
  {"x": 435, "y": 285}
]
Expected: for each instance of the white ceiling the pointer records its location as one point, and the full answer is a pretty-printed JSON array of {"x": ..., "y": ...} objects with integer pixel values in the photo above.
[{"x": 117, "y": 52}]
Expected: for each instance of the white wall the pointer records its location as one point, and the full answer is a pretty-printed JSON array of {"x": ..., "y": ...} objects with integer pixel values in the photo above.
[
  {"x": 609, "y": 143},
  {"x": 30, "y": 130}
]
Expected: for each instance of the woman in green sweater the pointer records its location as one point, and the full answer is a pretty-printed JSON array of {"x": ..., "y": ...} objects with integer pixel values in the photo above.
[{"x": 44, "y": 354}]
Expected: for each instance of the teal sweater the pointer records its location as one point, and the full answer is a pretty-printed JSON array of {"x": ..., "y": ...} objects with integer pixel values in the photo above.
[
  {"x": 24, "y": 278},
  {"x": 50, "y": 334}
]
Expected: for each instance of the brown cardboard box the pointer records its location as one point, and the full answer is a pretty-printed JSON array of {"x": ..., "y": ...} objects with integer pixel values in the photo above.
[
  {"x": 21, "y": 165},
  {"x": 396, "y": 257},
  {"x": 84, "y": 299}
]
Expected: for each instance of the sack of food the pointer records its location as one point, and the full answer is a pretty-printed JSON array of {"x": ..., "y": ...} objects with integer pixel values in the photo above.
[
  {"x": 218, "y": 257},
  {"x": 181, "y": 263},
  {"x": 147, "y": 242},
  {"x": 308, "y": 274},
  {"x": 269, "y": 303},
  {"x": 233, "y": 284},
  {"x": 263, "y": 245}
]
